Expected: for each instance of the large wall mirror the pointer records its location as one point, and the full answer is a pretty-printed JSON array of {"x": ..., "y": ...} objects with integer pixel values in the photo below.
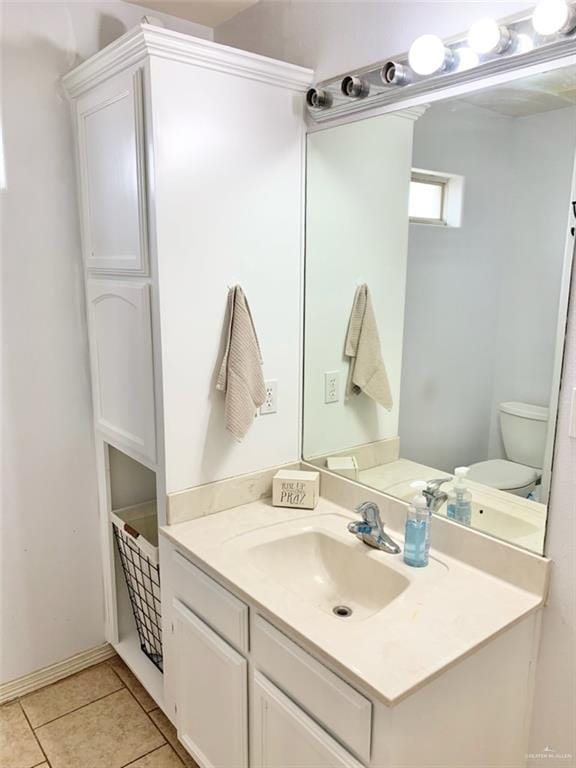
[{"x": 438, "y": 253}]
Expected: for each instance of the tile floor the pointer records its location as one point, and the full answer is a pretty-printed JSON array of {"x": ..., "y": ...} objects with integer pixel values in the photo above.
[{"x": 99, "y": 718}]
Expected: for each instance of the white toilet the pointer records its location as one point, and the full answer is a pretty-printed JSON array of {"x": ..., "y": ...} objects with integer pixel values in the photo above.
[{"x": 524, "y": 429}]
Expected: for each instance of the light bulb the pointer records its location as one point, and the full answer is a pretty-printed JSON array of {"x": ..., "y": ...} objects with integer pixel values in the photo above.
[
  {"x": 428, "y": 55},
  {"x": 523, "y": 44},
  {"x": 487, "y": 36},
  {"x": 553, "y": 16},
  {"x": 465, "y": 59}
]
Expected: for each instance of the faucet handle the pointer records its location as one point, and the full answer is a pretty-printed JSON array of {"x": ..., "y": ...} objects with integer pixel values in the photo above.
[
  {"x": 433, "y": 485},
  {"x": 359, "y": 527},
  {"x": 370, "y": 512}
]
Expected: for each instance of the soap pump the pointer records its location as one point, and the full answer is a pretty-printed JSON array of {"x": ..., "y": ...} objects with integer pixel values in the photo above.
[
  {"x": 417, "y": 533},
  {"x": 459, "y": 506}
]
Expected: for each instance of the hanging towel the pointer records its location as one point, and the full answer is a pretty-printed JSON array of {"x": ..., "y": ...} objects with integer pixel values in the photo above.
[
  {"x": 240, "y": 374},
  {"x": 367, "y": 371}
]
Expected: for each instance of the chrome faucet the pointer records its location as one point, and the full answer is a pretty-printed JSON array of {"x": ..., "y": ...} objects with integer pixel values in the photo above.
[
  {"x": 434, "y": 496},
  {"x": 370, "y": 529}
]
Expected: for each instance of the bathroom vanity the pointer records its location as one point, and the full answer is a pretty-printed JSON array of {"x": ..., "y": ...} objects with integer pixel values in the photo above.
[
  {"x": 256, "y": 647},
  {"x": 281, "y": 640}
]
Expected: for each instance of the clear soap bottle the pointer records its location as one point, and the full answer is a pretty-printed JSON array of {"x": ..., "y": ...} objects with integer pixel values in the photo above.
[
  {"x": 417, "y": 533},
  {"x": 460, "y": 499}
]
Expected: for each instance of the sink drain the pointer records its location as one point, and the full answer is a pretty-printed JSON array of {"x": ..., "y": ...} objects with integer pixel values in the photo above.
[{"x": 342, "y": 610}]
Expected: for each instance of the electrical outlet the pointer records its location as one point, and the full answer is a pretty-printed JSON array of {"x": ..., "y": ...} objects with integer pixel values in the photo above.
[
  {"x": 331, "y": 386},
  {"x": 270, "y": 405}
]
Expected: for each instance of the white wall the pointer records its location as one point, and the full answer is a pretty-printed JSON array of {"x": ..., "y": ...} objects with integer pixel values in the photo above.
[
  {"x": 236, "y": 217},
  {"x": 555, "y": 701},
  {"x": 332, "y": 37},
  {"x": 482, "y": 298},
  {"x": 452, "y": 292},
  {"x": 51, "y": 598},
  {"x": 356, "y": 232},
  {"x": 531, "y": 272}
]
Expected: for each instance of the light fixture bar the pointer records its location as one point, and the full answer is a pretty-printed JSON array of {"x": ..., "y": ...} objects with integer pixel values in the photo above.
[{"x": 433, "y": 64}]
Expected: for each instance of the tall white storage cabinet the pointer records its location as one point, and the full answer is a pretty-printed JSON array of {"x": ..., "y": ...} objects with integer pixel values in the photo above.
[{"x": 190, "y": 166}]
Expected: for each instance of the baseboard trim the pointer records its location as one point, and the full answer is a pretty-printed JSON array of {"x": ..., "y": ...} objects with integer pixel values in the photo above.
[{"x": 55, "y": 672}]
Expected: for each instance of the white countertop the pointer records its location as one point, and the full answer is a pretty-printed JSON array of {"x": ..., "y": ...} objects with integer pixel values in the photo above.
[{"x": 449, "y": 609}]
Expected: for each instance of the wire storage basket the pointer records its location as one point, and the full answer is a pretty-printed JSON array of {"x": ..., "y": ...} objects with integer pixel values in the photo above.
[{"x": 136, "y": 535}]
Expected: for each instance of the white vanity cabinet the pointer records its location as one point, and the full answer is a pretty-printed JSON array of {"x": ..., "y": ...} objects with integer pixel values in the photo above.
[
  {"x": 211, "y": 693},
  {"x": 283, "y": 736},
  {"x": 298, "y": 710},
  {"x": 110, "y": 138},
  {"x": 122, "y": 363}
]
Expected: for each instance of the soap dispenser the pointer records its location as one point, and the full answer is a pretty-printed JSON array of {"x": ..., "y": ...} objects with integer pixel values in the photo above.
[
  {"x": 417, "y": 533},
  {"x": 460, "y": 499}
]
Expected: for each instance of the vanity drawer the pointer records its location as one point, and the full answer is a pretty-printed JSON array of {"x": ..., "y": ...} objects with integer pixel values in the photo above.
[
  {"x": 328, "y": 699},
  {"x": 219, "y": 608}
]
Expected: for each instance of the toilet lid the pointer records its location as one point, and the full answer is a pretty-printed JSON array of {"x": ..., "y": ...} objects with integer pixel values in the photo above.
[{"x": 502, "y": 474}]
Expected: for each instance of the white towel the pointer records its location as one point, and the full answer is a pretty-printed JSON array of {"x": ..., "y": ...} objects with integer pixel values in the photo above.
[
  {"x": 241, "y": 375},
  {"x": 367, "y": 371}
]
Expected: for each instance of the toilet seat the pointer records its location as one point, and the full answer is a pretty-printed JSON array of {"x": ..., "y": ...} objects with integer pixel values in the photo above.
[{"x": 502, "y": 474}]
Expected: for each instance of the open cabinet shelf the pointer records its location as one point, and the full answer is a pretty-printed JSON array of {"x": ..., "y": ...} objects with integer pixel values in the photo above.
[{"x": 132, "y": 499}]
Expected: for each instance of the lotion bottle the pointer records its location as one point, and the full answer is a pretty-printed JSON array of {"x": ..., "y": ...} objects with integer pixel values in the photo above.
[
  {"x": 460, "y": 499},
  {"x": 417, "y": 533}
]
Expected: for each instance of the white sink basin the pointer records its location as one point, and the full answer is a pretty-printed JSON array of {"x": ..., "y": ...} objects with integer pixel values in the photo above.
[
  {"x": 329, "y": 573},
  {"x": 318, "y": 561}
]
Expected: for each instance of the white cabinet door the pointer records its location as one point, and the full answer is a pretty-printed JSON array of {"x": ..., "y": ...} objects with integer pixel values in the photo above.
[
  {"x": 285, "y": 737},
  {"x": 122, "y": 364},
  {"x": 112, "y": 176},
  {"x": 211, "y": 694}
]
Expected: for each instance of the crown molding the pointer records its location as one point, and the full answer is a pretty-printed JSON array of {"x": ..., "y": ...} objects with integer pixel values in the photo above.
[
  {"x": 412, "y": 113},
  {"x": 147, "y": 41}
]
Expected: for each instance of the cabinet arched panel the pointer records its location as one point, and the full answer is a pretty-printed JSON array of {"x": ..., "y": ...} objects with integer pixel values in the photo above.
[
  {"x": 111, "y": 149},
  {"x": 122, "y": 364}
]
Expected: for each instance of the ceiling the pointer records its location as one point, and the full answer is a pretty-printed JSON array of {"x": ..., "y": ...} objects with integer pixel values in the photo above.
[
  {"x": 537, "y": 93},
  {"x": 207, "y": 12}
]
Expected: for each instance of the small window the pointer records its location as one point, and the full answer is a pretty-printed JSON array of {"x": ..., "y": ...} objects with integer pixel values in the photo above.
[
  {"x": 436, "y": 198},
  {"x": 427, "y": 203}
]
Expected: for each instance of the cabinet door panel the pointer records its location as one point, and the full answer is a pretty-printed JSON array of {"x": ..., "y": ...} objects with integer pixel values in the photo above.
[
  {"x": 285, "y": 737},
  {"x": 110, "y": 141},
  {"x": 122, "y": 364},
  {"x": 211, "y": 695}
]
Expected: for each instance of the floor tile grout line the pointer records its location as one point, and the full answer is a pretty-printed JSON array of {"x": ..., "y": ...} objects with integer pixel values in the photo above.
[
  {"x": 166, "y": 744},
  {"x": 156, "y": 705},
  {"x": 116, "y": 673},
  {"x": 34, "y": 734},
  {"x": 147, "y": 714},
  {"x": 76, "y": 709}
]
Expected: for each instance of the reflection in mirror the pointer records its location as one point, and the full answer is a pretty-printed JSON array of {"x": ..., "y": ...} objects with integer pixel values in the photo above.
[{"x": 437, "y": 260}]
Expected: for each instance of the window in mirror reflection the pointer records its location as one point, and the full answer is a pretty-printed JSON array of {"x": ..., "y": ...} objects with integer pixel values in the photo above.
[{"x": 427, "y": 202}]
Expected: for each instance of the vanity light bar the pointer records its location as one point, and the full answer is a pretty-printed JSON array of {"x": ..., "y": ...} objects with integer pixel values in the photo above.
[{"x": 490, "y": 47}]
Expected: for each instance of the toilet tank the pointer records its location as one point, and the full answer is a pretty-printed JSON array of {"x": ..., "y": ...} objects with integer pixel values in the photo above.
[{"x": 524, "y": 429}]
